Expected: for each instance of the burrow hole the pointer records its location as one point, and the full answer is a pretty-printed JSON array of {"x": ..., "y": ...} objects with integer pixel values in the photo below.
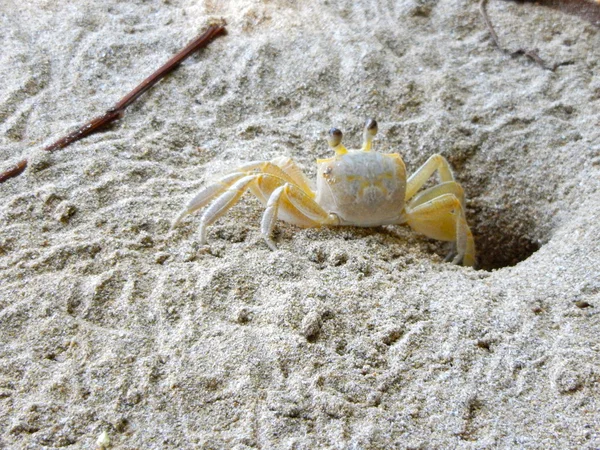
[{"x": 503, "y": 238}]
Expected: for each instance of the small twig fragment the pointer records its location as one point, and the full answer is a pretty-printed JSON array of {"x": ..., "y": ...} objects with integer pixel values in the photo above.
[
  {"x": 117, "y": 111},
  {"x": 488, "y": 23},
  {"x": 531, "y": 54}
]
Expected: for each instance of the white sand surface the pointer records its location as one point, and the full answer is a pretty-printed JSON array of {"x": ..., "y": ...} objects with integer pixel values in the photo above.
[{"x": 342, "y": 338}]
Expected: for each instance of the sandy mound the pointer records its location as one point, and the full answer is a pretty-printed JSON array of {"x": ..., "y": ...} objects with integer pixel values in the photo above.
[{"x": 343, "y": 338}]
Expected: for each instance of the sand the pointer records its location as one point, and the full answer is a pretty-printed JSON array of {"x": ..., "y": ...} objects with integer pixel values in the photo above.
[{"x": 117, "y": 332}]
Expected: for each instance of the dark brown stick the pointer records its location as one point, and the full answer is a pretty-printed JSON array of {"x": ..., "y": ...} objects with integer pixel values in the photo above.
[
  {"x": 17, "y": 169},
  {"x": 117, "y": 111}
]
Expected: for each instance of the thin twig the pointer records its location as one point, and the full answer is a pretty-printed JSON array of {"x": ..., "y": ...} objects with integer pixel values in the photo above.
[
  {"x": 531, "y": 54},
  {"x": 117, "y": 111},
  {"x": 488, "y": 23}
]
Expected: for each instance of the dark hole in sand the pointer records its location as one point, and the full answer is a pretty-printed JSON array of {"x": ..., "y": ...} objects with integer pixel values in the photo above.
[{"x": 503, "y": 237}]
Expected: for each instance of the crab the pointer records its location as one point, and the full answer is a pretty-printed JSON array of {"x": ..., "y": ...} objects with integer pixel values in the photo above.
[{"x": 359, "y": 188}]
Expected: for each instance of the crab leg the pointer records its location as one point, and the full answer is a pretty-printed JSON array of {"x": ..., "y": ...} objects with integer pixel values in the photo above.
[
  {"x": 291, "y": 203},
  {"x": 295, "y": 173},
  {"x": 270, "y": 216},
  {"x": 204, "y": 197},
  {"x": 223, "y": 203},
  {"x": 418, "y": 179},
  {"x": 443, "y": 218},
  {"x": 447, "y": 187},
  {"x": 211, "y": 191},
  {"x": 285, "y": 200}
]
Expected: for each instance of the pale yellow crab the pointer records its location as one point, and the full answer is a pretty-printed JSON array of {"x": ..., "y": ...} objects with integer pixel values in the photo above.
[{"x": 355, "y": 187}]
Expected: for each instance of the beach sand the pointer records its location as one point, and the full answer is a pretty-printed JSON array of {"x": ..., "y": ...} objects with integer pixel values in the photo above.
[{"x": 117, "y": 331}]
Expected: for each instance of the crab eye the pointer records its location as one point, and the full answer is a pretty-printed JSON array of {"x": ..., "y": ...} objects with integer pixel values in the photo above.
[
  {"x": 335, "y": 137},
  {"x": 371, "y": 126}
]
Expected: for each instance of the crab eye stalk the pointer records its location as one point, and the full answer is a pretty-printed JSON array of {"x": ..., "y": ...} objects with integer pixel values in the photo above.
[
  {"x": 369, "y": 133},
  {"x": 334, "y": 139},
  {"x": 371, "y": 126}
]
